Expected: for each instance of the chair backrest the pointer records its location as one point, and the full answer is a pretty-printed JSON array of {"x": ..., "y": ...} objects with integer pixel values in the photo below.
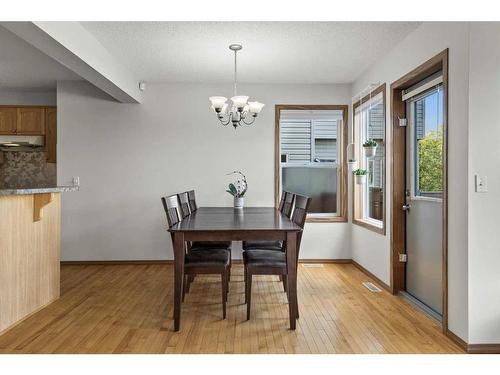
[
  {"x": 282, "y": 201},
  {"x": 287, "y": 199},
  {"x": 171, "y": 206},
  {"x": 192, "y": 201},
  {"x": 299, "y": 214},
  {"x": 185, "y": 209}
]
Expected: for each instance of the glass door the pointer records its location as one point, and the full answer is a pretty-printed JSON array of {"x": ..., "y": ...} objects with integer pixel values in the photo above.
[{"x": 424, "y": 190}]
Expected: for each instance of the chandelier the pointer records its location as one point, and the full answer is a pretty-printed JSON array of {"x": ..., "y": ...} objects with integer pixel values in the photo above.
[{"x": 238, "y": 109}]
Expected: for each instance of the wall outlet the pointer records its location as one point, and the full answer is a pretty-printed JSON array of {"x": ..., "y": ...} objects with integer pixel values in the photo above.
[{"x": 481, "y": 183}]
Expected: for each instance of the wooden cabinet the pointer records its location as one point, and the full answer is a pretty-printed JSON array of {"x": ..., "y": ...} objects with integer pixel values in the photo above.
[
  {"x": 31, "y": 121},
  {"x": 51, "y": 134},
  {"x": 8, "y": 118},
  {"x": 22, "y": 120}
]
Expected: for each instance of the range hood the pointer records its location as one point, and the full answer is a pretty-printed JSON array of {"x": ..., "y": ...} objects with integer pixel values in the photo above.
[{"x": 17, "y": 142}]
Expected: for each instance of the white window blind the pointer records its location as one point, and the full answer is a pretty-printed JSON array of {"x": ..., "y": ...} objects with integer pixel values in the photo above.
[
  {"x": 325, "y": 140},
  {"x": 296, "y": 140},
  {"x": 425, "y": 85}
]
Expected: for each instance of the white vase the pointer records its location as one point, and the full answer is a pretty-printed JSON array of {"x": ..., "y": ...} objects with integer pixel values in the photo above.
[
  {"x": 239, "y": 202},
  {"x": 370, "y": 151},
  {"x": 360, "y": 179}
]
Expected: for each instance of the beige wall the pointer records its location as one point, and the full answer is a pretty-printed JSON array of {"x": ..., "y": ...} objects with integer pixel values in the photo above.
[{"x": 128, "y": 155}]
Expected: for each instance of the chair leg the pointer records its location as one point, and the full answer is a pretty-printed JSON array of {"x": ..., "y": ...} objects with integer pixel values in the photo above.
[
  {"x": 297, "y": 303},
  {"x": 284, "y": 279},
  {"x": 187, "y": 285},
  {"x": 227, "y": 283},
  {"x": 190, "y": 279},
  {"x": 248, "y": 293},
  {"x": 184, "y": 282},
  {"x": 224, "y": 293},
  {"x": 245, "y": 280}
]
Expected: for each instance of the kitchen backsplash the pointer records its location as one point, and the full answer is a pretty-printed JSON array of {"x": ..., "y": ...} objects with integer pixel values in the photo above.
[{"x": 19, "y": 169}]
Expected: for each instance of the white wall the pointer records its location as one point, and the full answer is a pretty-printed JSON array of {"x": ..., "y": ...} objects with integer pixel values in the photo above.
[
  {"x": 372, "y": 250},
  {"x": 23, "y": 97},
  {"x": 484, "y": 159},
  {"x": 127, "y": 156}
]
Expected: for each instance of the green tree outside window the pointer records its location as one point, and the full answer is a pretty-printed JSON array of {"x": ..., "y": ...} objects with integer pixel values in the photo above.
[{"x": 430, "y": 162}]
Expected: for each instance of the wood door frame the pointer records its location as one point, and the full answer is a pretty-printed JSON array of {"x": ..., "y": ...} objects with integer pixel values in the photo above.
[
  {"x": 398, "y": 173},
  {"x": 342, "y": 209}
]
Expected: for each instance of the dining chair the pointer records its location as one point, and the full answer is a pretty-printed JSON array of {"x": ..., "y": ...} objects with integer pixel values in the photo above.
[
  {"x": 208, "y": 261},
  {"x": 187, "y": 204},
  {"x": 286, "y": 205},
  {"x": 184, "y": 205},
  {"x": 265, "y": 262},
  {"x": 192, "y": 200}
]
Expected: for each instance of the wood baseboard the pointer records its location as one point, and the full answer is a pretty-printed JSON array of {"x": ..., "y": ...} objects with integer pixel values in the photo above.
[
  {"x": 457, "y": 340},
  {"x": 113, "y": 262},
  {"x": 332, "y": 261},
  {"x": 365, "y": 271},
  {"x": 170, "y": 261},
  {"x": 27, "y": 316},
  {"x": 483, "y": 348},
  {"x": 473, "y": 348}
]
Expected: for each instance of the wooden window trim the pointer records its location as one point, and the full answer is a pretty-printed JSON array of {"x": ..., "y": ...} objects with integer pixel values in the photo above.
[
  {"x": 355, "y": 190},
  {"x": 342, "y": 209}
]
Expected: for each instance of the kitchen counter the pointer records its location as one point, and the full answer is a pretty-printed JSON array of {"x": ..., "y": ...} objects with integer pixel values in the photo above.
[
  {"x": 30, "y": 237},
  {"x": 39, "y": 190}
]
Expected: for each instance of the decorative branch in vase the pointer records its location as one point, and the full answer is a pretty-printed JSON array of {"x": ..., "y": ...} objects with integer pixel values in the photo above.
[{"x": 238, "y": 189}]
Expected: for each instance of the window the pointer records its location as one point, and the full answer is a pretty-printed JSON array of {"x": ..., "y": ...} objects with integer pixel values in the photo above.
[
  {"x": 311, "y": 158},
  {"x": 426, "y": 121},
  {"x": 369, "y": 196}
]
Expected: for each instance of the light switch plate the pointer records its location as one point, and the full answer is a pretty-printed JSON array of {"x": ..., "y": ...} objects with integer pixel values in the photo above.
[{"x": 481, "y": 184}]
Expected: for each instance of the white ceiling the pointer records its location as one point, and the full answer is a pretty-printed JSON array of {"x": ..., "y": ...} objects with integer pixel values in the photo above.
[
  {"x": 273, "y": 52},
  {"x": 24, "y": 67}
]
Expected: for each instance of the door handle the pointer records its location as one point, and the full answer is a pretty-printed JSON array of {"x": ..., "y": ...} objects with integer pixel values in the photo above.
[{"x": 406, "y": 207}]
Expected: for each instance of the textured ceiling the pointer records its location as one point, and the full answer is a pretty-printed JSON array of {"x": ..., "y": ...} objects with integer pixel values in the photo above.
[
  {"x": 274, "y": 52},
  {"x": 22, "y": 66}
]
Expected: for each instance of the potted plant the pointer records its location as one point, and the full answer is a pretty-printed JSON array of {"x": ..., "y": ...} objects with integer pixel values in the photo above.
[
  {"x": 352, "y": 164},
  {"x": 360, "y": 176},
  {"x": 238, "y": 189},
  {"x": 370, "y": 147}
]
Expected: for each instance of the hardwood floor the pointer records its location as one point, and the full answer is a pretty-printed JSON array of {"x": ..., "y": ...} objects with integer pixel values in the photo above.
[{"x": 128, "y": 309}]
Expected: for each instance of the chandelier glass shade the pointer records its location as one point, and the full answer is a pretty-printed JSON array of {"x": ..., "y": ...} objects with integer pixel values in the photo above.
[{"x": 237, "y": 110}]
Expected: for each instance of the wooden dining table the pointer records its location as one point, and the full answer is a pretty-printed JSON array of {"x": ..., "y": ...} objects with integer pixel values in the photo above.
[{"x": 235, "y": 224}]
